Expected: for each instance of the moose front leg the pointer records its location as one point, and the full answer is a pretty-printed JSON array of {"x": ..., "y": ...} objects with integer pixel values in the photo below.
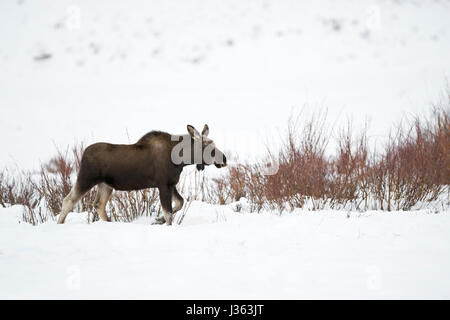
[
  {"x": 177, "y": 199},
  {"x": 165, "y": 196}
]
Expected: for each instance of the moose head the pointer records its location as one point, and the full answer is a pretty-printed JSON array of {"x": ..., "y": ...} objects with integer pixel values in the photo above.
[{"x": 203, "y": 149}]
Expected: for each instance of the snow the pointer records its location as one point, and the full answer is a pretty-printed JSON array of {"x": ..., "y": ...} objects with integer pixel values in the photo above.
[
  {"x": 118, "y": 70},
  {"x": 217, "y": 253},
  {"x": 111, "y": 71}
]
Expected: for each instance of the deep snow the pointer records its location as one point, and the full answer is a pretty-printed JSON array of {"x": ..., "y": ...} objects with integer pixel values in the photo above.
[
  {"x": 218, "y": 254},
  {"x": 119, "y": 69}
]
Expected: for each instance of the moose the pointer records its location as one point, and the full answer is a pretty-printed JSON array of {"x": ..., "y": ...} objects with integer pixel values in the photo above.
[{"x": 155, "y": 161}]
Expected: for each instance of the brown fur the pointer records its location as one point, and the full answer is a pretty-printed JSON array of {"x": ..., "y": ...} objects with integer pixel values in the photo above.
[{"x": 145, "y": 164}]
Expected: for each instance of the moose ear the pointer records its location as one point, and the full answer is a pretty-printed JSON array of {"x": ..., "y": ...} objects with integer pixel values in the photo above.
[
  {"x": 205, "y": 131},
  {"x": 193, "y": 132}
]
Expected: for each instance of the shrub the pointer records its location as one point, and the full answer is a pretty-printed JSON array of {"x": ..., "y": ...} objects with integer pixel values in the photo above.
[{"x": 412, "y": 169}]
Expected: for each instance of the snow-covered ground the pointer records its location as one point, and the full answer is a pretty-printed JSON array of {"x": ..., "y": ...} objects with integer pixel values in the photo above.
[
  {"x": 218, "y": 253},
  {"x": 113, "y": 70},
  {"x": 118, "y": 69}
]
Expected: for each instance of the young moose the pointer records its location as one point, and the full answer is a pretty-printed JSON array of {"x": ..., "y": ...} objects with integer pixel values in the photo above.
[{"x": 155, "y": 161}]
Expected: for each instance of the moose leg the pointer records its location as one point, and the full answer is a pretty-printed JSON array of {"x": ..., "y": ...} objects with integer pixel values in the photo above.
[
  {"x": 177, "y": 198},
  {"x": 165, "y": 196},
  {"x": 69, "y": 202},
  {"x": 103, "y": 195}
]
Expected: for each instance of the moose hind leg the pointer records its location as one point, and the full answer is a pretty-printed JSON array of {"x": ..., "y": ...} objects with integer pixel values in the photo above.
[
  {"x": 69, "y": 202},
  {"x": 103, "y": 195}
]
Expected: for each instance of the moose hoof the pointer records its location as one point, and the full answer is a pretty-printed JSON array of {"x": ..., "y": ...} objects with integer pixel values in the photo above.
[{"x": 159, "y": 221}]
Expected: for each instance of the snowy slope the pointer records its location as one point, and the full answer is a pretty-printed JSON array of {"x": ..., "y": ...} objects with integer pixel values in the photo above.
[
  {"x": 111, "y": 71},
  {"x": 119, "y": 69},
  {"x": 217, "y": 253}
]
